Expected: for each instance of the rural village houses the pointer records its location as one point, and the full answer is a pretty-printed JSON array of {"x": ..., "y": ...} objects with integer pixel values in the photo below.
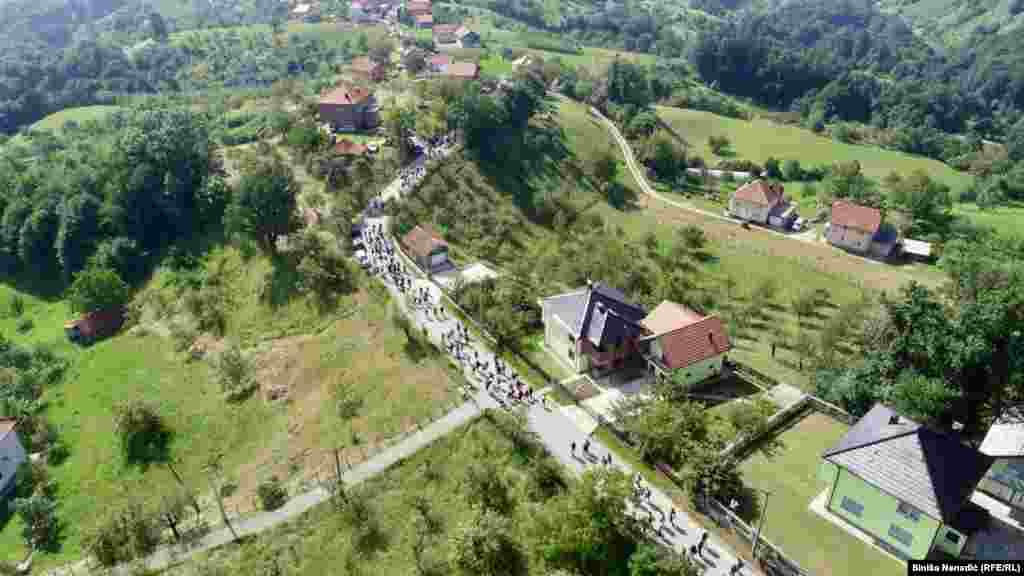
[
  {"x": 764, "y": 203},
  {"x": 596, "y": 329},
  {"x": 349, "y": 108},
  {"x": 428, "y": 249},
  {"x": 859, "y": 229},
  {"x": 365, "y": 69}
]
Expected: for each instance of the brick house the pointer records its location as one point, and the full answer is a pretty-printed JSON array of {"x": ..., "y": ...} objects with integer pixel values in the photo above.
[
  {"x": 762, "y": 202},
  {"x": 859, "y": 229},
  {"x": 349, "y": 108},
  {"x": 365, "y": 69}
]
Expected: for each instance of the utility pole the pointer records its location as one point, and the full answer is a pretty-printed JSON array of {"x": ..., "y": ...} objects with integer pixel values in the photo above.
[{"x": 760, "y": 523}]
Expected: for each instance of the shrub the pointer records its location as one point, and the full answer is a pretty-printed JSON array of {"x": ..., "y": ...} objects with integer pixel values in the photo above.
[
  {"x": 272, "y": 494},
  {"x": 122, "y": 536},
  {"x": 141, "y": 431},
  {"x": 24, "y": 326},
  {"x": 16, "y": 305},
  {"x": 39, "y": 519},
  {"x": 234, "y": 373}
]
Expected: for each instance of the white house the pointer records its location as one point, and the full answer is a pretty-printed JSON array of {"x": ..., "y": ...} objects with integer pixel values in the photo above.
[{"x": 12, "y": 454}]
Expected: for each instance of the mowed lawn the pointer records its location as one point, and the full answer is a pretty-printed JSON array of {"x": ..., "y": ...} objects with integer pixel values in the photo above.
[
  {"x": 791, "y": 475},
  {"x": 759, "y": 139},
  {"x": 749, "y": 257},
  {"x": 324, "y": 542},
  {"x": 291, "y": 347}
]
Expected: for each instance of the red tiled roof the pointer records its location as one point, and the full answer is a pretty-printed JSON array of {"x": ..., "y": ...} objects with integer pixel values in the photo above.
[
  {"x": 760, "y": 192},
  {"x": 462, "y": 70},
  {"x": 422, "y": 239},
  {"x": 346, "y": 95},
  {"x": 695, "y": 342},
  {"x": 364, "y": 64},
  {"x": 445, "y": 29},
  {"x": 855, "y": 216},
  {"x": 417, "y": 6},
  {"x": 440, "y": 60},
  {"x": 669, "y": 316},
  {"x": 424, "y": 18},
  {"x": 349, "y": 148}
]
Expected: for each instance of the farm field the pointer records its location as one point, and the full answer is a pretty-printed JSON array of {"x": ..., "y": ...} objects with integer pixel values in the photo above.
[
  {"x": 791, "y": 475},
  {"x": 759, "y": 139},
  {"x": 324, "y": 543},
  {"x": 291, "y": 346}
]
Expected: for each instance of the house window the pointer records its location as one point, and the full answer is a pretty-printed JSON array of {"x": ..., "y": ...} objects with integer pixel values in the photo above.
[
  {"x": 908, "y": 512},
  {"x": 900, "y": 535},
  {"x": 952, "y": 537},
  {"x": 852, "y": 506}
]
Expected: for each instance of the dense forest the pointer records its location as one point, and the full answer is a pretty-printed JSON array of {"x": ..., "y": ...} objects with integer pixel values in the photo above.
[{"x": 119, "y": 191}]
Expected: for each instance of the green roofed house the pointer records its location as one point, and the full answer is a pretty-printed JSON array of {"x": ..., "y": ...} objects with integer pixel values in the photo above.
[{"x": 906, "y": 486}]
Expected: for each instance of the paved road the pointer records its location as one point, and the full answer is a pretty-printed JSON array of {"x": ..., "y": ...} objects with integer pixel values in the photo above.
[{"x": 557, "y": 431}]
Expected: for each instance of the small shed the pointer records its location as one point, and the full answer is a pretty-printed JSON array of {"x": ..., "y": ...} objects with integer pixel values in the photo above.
[
  {"x": 1005, "y": 442},
  {"x": 917, "y": 250},
  {"x": 94, "y": 325},
  {"x": 427, "y": 248}
]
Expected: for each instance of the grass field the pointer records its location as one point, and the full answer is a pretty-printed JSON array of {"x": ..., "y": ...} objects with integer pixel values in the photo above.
[
  {"x": 81, "y": 114},
  {"x": 496, "y": 65},
  {"x": 748, "y": 257},
  {"x": 324, "y": 542},
  {"x": 791, "y": 476},
  {"x": 759, "y": 139},
  {"x": 1007, "y": 220},
  {"x": 330, "y": 32},
  {"x": 291, "y": 346}
]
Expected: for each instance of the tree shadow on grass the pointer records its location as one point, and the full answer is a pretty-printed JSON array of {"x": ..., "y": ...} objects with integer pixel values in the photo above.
[{"x": 281, "y": 285}]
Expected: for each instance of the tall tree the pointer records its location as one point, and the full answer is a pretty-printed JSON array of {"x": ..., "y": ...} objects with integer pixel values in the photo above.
[{"x": 264, "y": 207}]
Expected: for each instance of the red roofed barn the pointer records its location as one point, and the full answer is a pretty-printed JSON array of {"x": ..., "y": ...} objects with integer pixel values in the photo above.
[
  {"x": 859, "y": 228},
  {"x": 681, "y": 341}
]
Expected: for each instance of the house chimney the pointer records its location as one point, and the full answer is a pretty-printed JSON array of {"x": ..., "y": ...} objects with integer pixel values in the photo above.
[{"x": 894, "y": 419}]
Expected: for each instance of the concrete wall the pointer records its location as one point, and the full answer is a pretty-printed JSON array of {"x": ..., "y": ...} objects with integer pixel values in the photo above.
[
  {"x": 557, "y": 337},
  {"x": 849, "y": 238},
  {"x": 879, "y": 515},
  {"x": 749, "y": 211}
]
